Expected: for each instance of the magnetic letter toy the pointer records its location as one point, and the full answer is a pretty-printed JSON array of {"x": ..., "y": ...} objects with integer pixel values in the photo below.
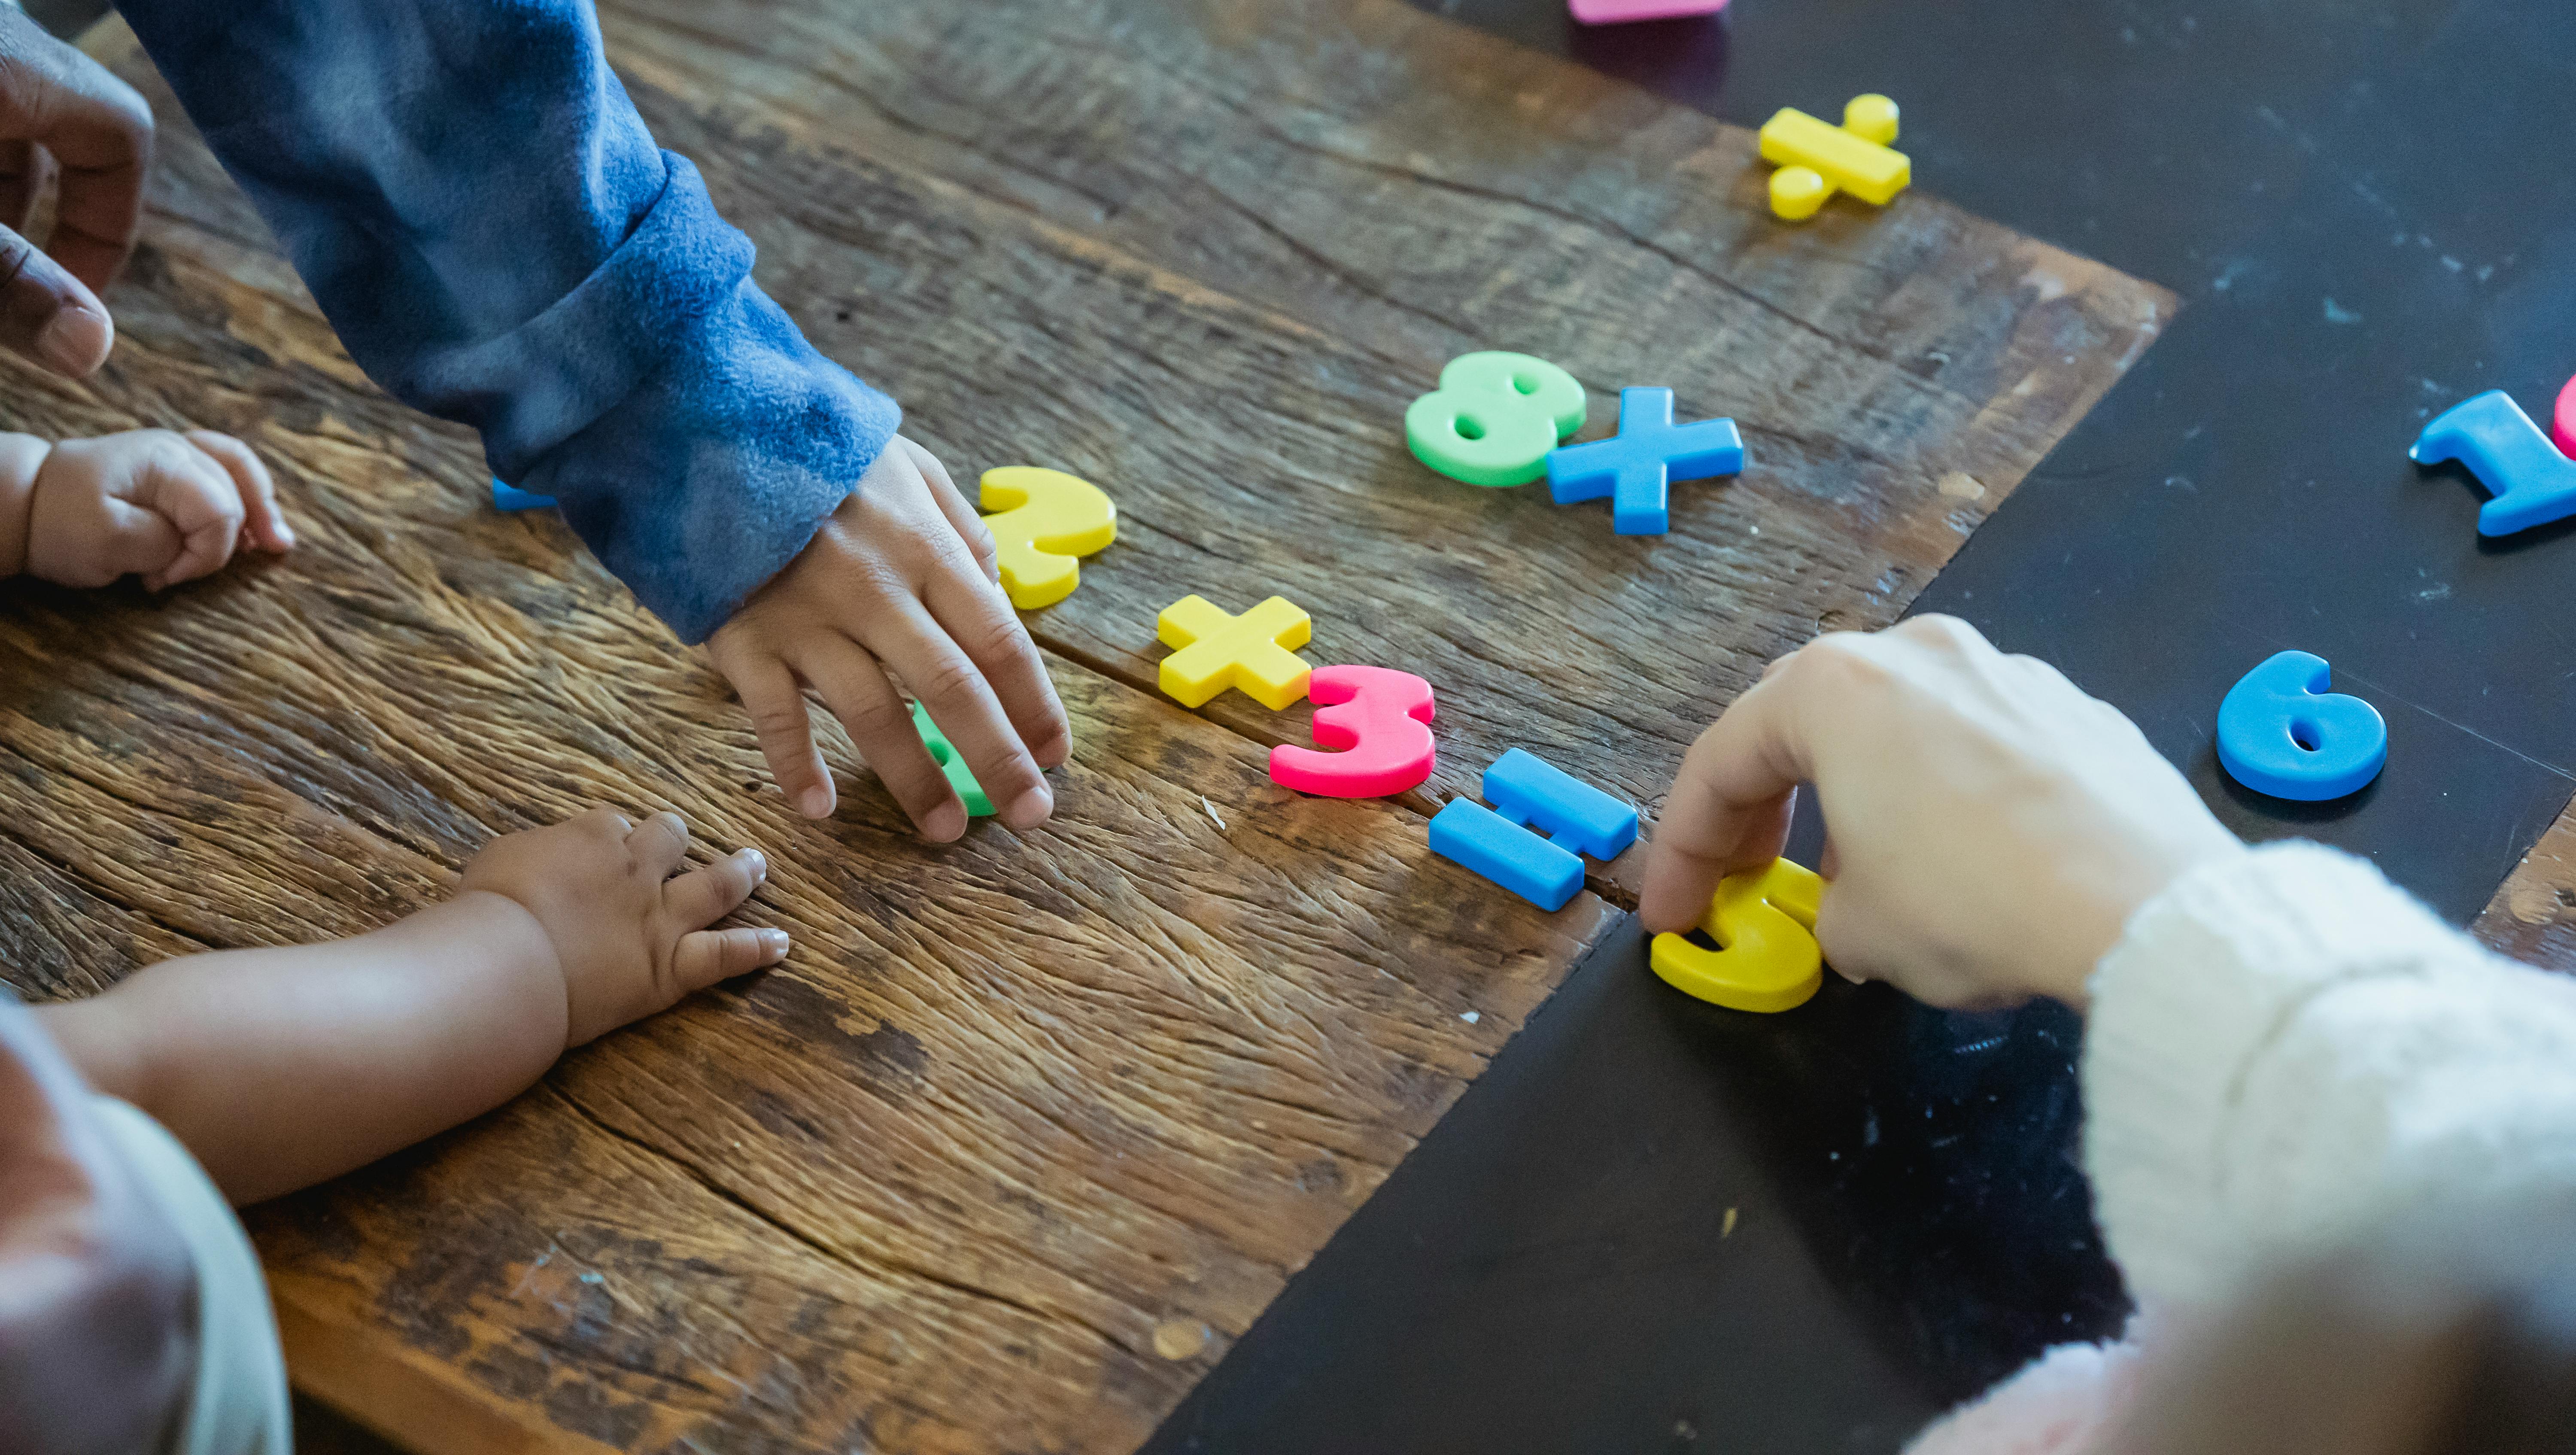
[
  {"x": 1254, "y": 651},
  {"x": 1471, "y": 834},
  {"x": 1636, "y": 467},
  {"x": 1529, "y": 794},
  {"x": 2281, "y": 732},
  {"x": 1046, "y": 519},
  {"x": 1494, "y": 418},
  {"x": 511, "y": 497},
  {"x": 1764, "y": 925},
  {"x": 2532, "y": 481},
  {"x": 1379, "y": 717},
  {"x": 960, "y": 778},
  {"x": 1816, "y": 160},
  {"x": 1526, "y": 789},
  {"x": 1613, "y": 12}
]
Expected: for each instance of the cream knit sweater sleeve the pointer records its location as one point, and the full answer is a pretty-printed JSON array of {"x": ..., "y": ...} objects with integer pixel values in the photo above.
[{"x": 2283, "y": 1048}]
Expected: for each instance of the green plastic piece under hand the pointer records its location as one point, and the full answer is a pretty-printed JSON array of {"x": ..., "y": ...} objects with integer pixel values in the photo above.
[
  {"x": 968, "y": 790},
  {"x": 1494, "y": 418}
]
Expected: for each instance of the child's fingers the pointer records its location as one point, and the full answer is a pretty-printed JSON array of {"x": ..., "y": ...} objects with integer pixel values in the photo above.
[
  {"x": 700, "y": 897},
  {"x": 605, "y": 822},
  {"x": 953, "y": 688},
  {"x": 200, "y": 502},
  {"x": 260, "y": 515},
  {"x": 880, "y": 727},
  {"x": 705, "y": 957},
  {"x": 979, "y": 617},
  {"x": 660, "y": 844},
  {"x": 952, "y": 503},
  {"x": 779, "y": 719},
  {"x": 1734, "y": 782}
]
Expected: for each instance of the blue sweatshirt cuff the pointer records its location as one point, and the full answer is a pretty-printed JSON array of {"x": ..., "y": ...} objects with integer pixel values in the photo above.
[
  {"x": 476, "y": 205},
  {"x": 767, "y": 436},
  {"x": 531, "y": 388}
]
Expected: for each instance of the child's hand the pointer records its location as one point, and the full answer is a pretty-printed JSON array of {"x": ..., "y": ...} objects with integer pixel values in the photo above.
[
  {"x": 900, "y": 579},
  {"x": 169, "y": 507},
  {"x": 629, "y": 938},
  {"x": 1991, "y": 828}
]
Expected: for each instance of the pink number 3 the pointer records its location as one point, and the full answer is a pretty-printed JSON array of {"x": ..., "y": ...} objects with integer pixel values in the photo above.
[{"x": 1380, "y": 717}]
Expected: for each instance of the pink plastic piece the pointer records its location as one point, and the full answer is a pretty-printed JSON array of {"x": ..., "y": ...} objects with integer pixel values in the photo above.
[
  {"x": 2562, "y": 426},
  {"x": 1611, "y": 12},
  {"x": 1380, "y": 717}
]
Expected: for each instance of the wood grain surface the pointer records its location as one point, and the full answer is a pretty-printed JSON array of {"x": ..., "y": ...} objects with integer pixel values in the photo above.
[
  {"x": 2533, "y": 914},
  {"x": 1204, "y": 252},
  {"x": 1027, "y": 1129}
]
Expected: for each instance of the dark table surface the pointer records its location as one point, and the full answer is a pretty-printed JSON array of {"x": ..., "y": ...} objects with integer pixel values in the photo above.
[{"x": 1656, "y": 1225}]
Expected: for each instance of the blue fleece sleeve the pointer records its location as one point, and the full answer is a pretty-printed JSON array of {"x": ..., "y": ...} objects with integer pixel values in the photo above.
[{"x": 470, "y": 195}]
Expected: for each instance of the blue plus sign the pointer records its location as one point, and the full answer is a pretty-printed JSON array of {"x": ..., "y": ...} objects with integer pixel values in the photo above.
[{"x": 1636, "y": 466}]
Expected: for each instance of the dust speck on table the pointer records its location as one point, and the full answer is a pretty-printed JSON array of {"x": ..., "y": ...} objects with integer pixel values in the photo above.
[{"x": 1178, "y": 1339}]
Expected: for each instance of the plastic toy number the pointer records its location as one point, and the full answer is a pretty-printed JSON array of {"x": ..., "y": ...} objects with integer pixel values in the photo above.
[
  {"x": 1047, "y": 518},
  {"x": 511, "y": 497},
  {"x": 1533, "y": 839},
  {"x": 1766, "y": 958},
  {"x": 2532, "y": 482},
  {"x": 1494, "y": 418},
  {"x": 1380, "y": 717},
  {"x": 2281, "y": 732},
  {"x": 960, "y": 777},
  {"x": 1528, "y": 789}
]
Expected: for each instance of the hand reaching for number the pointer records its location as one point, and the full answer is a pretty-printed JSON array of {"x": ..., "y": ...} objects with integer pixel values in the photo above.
[
  {"x": 900, "y": 580},
  {"x": 1990, "y": 828}
]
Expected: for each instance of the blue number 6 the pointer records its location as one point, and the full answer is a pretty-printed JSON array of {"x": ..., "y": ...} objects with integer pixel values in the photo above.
[{"x": 2281, "y": 732}]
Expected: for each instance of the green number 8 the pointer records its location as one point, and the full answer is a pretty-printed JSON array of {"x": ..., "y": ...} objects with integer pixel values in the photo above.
[{"x": 1494, "y": 418}]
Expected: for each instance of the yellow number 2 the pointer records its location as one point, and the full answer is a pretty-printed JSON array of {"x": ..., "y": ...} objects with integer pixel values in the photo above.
[{"x": 1047, "y": 519}]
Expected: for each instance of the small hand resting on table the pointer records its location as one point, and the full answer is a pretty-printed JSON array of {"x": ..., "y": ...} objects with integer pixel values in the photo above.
[
  {"x": 901, "y": 578},
  {"x": 1989, "y": 827},
  {"x": 154, "y": 503},
  {"x": 279, "y": 1068}
]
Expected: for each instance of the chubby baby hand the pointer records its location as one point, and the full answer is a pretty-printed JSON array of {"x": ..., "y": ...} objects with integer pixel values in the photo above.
[
  {"x": 154, "y": 503},
  {"x": 629, "y": 938}
]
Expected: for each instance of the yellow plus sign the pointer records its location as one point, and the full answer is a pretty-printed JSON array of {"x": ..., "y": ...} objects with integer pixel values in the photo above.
[
  {"x": 1214, "y": 651},
  {"x": 1817, "y": 160}
]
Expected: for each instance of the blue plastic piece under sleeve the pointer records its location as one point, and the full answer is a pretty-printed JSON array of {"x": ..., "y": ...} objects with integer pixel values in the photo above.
[
  {"x": 2533, "y": 484},
  {"x": 1511, "y": 856},
  {"x": 511, "y": 497},
  {"x": 1525, "y": 788},
  {"x": 1636, "y": 466},
  {"x": 2281, "y": 732}
]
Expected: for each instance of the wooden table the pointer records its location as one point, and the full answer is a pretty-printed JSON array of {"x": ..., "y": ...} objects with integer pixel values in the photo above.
[{"x": 1030, "y": 1127}]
